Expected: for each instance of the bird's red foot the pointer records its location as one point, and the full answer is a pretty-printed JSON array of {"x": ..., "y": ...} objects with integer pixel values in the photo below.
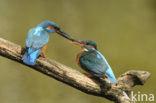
[
  {"x": 43, "y": 55},
  {"x": 43, "y": 51},
  {"x": 89, "y": 75}
]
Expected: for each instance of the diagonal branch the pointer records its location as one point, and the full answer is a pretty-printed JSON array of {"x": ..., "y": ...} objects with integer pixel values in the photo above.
[{"x": 69, "y": 76}]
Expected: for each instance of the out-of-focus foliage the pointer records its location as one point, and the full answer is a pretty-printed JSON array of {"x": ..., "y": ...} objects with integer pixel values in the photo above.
[{"x": 123, "y": 29}]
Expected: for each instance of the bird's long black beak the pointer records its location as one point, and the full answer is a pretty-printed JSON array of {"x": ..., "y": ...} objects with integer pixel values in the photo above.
[{"x": 60, "y": 32}]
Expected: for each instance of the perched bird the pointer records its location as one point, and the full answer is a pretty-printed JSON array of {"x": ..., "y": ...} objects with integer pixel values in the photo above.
[
  {"x": 93, "y": 62},
  {"x": 37, "y": 38}
]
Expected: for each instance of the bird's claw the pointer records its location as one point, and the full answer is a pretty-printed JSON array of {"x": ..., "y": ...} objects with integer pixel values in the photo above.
[{"x": 43, "y": 56}]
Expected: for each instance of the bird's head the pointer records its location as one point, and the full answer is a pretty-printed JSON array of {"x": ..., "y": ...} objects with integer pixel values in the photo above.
[
  {"x": 86, "y": 44},
  {"x": 49, "y": 26},
  {"x": 52, "y": 27}
]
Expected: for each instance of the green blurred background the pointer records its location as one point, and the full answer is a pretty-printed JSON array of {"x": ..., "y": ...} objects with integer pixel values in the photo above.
[{"x": 123, "y": 29}]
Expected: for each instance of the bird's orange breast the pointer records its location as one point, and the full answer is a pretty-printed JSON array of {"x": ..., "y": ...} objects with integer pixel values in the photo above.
[{"x": 78, "y": 57}]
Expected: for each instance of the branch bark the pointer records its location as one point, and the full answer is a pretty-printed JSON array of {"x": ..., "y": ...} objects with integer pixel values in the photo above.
[{"x": 73, "y": 78}]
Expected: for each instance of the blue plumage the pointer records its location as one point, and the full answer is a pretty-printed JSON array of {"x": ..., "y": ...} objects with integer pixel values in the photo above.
[
  {"x": 37, "y": 37},
  {"x": 30, "y": 56},
  {"x": 92, "y": 61},
  {"x": 108, "y": 71},
  {"x": 110, "y": 75},
  {"x": 47, "y": 23},
  {"x": 89, "y": 62}
]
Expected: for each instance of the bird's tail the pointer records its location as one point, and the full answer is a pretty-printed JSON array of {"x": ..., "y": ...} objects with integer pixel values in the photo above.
[
  {"x": 30, "y": 56},
  {"x": 110, "y": 75}
]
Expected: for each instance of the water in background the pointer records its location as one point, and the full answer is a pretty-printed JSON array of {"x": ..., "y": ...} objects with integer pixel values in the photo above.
[{"x": 124, "y": 31}]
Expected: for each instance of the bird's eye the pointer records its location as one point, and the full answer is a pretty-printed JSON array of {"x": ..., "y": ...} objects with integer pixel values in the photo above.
[{"x": 56, "y": 28}]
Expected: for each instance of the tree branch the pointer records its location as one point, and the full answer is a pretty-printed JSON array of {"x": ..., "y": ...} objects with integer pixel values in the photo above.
[{"x": 69, "y": 76}]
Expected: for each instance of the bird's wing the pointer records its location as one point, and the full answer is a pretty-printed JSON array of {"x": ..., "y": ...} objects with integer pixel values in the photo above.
[
  {"x": 109, "y": 71},
  {"x": 37, "y": 38},
  {"x": 90, "y": 62}
]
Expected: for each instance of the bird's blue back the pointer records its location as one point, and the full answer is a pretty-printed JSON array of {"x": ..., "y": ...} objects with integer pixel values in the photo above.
[
  {"x": 94, "y": 62},
  {"x": 37, "y": 37},
  {"x": 89, "y": 62}
]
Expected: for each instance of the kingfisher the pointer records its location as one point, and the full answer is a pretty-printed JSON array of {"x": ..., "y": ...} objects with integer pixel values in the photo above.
[
  {"x": 37, "y": 39},
  {"x": 93, "y": 62}
]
